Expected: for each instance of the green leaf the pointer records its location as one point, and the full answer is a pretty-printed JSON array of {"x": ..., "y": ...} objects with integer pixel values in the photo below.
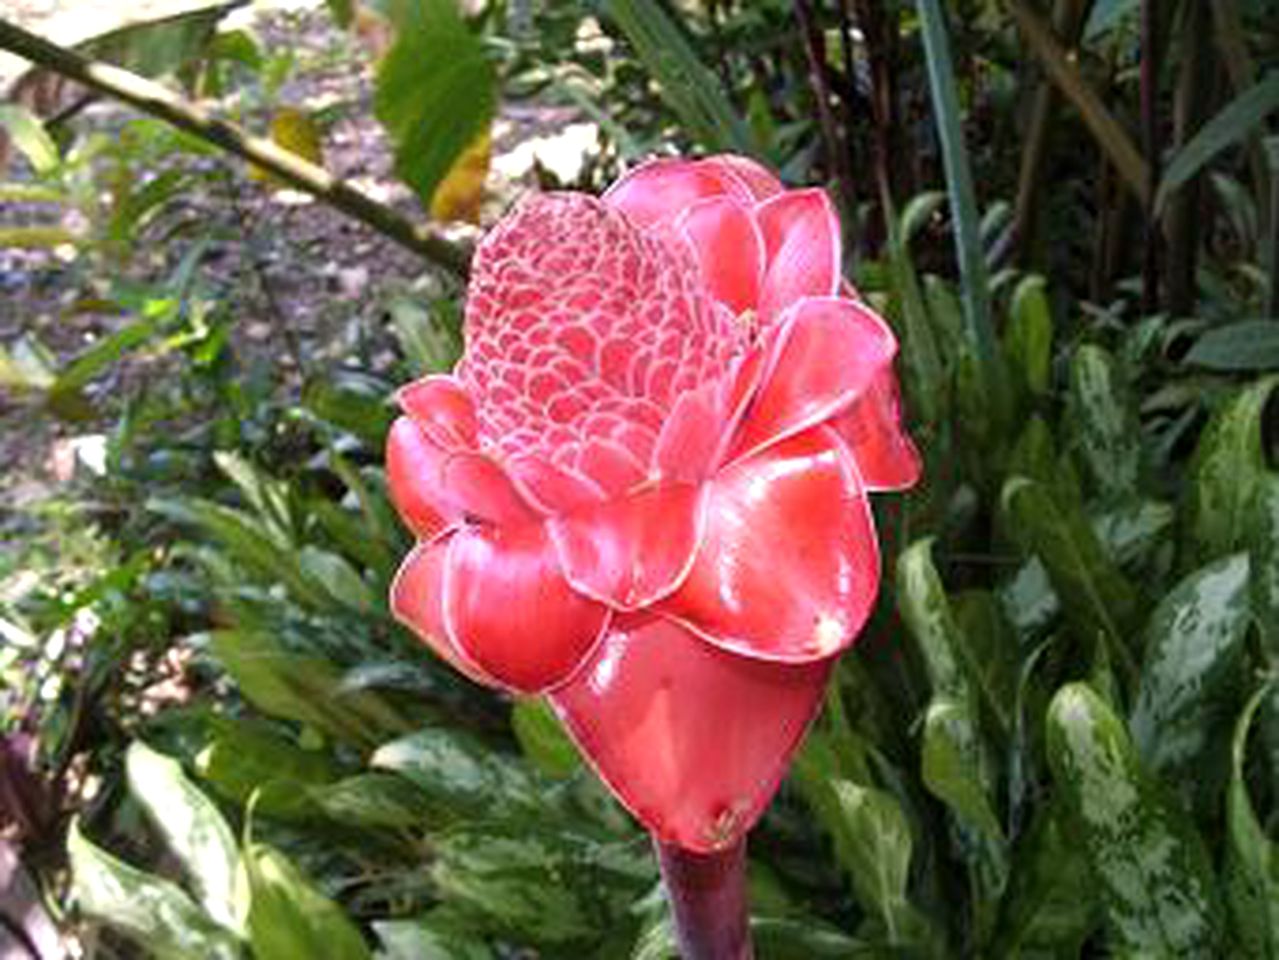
[
  {"x": 429, "y": 937},
  {"x": 192, "y": 827},
  {"x": 288, "y": 917},
  {"x": 1105, "y": 422},
  {"x": 921, "y": 208},
  {"x": 373, "y": 800},
  {"x": 1226, "y": 474},
  {"x": 150, "y": 910},
  {"x": 924, "y": 380},
  {"x": 303, "y": 688},
  {"x": 1265, "y": 564},
  {"x": 955, "y": 766},
  {"x": 245, "y": 756},
  {"x": 530, "y": 881},
  {"x": 1240, "y": 118},
  {"x": 28, "y": 134},
  {"x": 1244, "y": 347},
  {"x": 353, "y": 403},
  {"x": 684, "y": 82},
  {"x": 459, "y": 775},
  {"x": 974, "y": 281},
  {"x": 1252, "y": 862},
  {"x": 1048, "y": 905},
  {"x": 1028, "y": 339},
  {"x": 1153, "y": 874},
  {"x": 1097, "y": 599},
  {"x": 1132, "y": 529},
  {"x": 340, "y": 580},
  {"x": 436, "y": 92},
  {"x": 542, "y": 738},
  {"x": 1194, "y": 645}
]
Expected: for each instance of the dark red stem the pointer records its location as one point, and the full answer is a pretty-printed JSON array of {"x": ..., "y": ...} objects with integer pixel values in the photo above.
[{"x": 707, "y": 893}]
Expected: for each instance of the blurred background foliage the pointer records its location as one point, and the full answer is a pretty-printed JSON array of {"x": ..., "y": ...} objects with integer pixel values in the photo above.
[{"x": 1059, "y": 736}]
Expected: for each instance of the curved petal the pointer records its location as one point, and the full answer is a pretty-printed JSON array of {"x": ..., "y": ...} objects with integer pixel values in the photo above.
[
  {"x": 610, "y": 465},
  {"x": 417, "y": 601},
  {"x": 761, "y": 182},
  {"x": 690, "y": 437},
  {"x": 872, "y": 429},
  {"x": 655, "y": 193},
  {"x": 826, "y": 353},
  {"x": 729, "y": 250},
  {"x": 442, "y": 408},
  {"x": 692, "y": 740},
  {"x": 550, "y": 488},
  {"x": 801, "y": 234},
  {"x": 789, "y": 566},
  {"x": 630, "y": 551},
  {"x": 510, "y": 611},
  {"x": 432, "y": 487}
]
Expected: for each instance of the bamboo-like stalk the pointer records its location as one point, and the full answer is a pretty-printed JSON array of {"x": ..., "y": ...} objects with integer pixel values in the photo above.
[
  {"x": 1190, "y": 109},
  {"x": 707, "y": 894},
  {"x": 1150, "y": 145},
  {"x": 158, "y": 101}
]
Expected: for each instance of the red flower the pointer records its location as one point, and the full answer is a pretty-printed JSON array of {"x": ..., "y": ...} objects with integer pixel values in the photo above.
[{"x": 643, "y": 489}]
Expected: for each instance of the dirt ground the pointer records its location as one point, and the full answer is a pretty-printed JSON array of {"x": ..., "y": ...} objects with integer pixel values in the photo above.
[{"x": 305, "y": 279}]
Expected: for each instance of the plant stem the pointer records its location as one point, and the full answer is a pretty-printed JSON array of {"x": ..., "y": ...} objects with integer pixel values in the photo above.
[
  {"x": 707, "y": 893},
  {"x": 159, "y": 101}
]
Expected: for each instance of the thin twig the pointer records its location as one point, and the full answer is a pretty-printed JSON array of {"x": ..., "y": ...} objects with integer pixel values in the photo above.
[{"x": 159, "y": 101}]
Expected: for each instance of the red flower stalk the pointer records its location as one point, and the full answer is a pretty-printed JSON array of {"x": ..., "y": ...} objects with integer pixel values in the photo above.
[{"x": 643, "y": 491}]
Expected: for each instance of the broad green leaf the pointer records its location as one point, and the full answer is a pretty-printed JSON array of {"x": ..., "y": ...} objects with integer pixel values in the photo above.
[
  {"x": 460, "y": 776},
  {"x": 1028, "y": 338},
  {"x": 1194, "y": 642},
  {"x": 1048, "y": 905},
  {"x": 691, "y": 90},
  {"x": 1226, "y": 475},
  {"x": 352, "y": 403},
  {"x": 921, "y": 208},
  {"x": 1239, "y": 119},
  {"x": 303, "y": 688},
  {"x": 436, "y": 92},
  {"x": 1105, "y": 422},
  {"x": 774, "y": 938},
  {"x": 528, "y": 881},
  {"x": 1154, "y": 879},
  {"x": 430, "y": 336},
  {"x": 542, "y": 738},
  {"x": 151, "y": 911},
  {"x": 1097, "y": 598},
  {"x": 955, "y": 766},
  {"x": 27, "y": 133},
  {"x": 1251, "y": 872},
  {"x": 373, "y": 800},
  {"x": 192, "y": 827},
  {"x": 1246, "y": 346},
  {"x": 1265, "y": 564},
  {"x": 429, "y": 937},
  {"x": 1130, "y": 530},
  {"x": 288, "y": 917},
  {"x": 922, "y": 602},
  {"x": 339, "y": 579},
  {"x": 245, "y": 756}
]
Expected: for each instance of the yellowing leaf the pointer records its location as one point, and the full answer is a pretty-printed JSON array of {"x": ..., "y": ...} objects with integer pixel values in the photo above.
[
  {"x": 460, "y": 193},
  {"x": 295, "y": 131}
]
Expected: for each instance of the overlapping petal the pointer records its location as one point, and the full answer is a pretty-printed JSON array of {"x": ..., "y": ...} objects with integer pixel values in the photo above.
[
  {"x": 417, "y": 601},
  {"x": 443, "y": 409},
  {"x": 433, "y": 487},
  {"x": 729, "y": 248},
  {"x": 788, "y": 568},
  {"x": 824, "y": 354},
  {"x": 691, "y": 739},
  {"x": 631, "y": 551},
  {"x": 509, "y": 610},
  {"x": 801, "y": 238},
  {"x": 872, "y": 429}
]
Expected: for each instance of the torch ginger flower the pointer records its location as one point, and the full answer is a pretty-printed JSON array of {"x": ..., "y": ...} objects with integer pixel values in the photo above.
[{"x": 643, "y": 490}]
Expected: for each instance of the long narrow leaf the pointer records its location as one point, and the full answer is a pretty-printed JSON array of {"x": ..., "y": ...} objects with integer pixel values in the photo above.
[
  {"x": 690, "y": 89},
  {"x": 1237, "y": 120},
  {"x": 959, "y": 181}
]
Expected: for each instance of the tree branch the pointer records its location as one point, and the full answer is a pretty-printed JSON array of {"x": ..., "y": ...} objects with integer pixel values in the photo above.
[{"x": 158, "y": 101}]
